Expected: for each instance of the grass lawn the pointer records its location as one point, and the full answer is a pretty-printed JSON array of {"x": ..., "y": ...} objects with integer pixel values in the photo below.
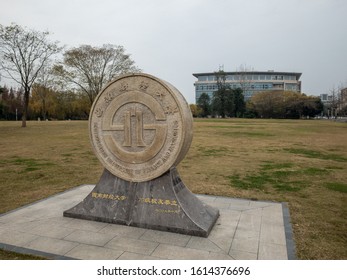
[{"x": 301, "y": 162}]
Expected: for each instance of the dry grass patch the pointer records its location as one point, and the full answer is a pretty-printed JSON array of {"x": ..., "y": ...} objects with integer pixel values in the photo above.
[
  {"x": 43, "y": 159},
  {"x": 301, "y": 162}
]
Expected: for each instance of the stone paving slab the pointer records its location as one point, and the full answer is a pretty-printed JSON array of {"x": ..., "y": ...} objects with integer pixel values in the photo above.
[{"x": 245, "y": 230}]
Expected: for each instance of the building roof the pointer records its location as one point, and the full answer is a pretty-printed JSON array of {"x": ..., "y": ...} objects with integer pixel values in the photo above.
[{"x": 270, "y": 72}]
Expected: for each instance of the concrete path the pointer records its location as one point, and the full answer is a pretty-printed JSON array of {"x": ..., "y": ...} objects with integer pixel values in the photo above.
[{"x": 246, "y": 230}]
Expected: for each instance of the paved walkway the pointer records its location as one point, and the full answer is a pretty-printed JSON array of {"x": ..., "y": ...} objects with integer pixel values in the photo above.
[{"x": 245, "y": 230}]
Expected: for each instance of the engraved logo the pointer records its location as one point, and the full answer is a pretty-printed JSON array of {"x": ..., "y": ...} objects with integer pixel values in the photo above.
[
  {"x": 140, "y": 127},
  {"x": 125, "y": 131}
]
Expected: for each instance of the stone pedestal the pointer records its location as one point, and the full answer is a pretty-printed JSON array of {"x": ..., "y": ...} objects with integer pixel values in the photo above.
[{"x": 163, "y": 203}]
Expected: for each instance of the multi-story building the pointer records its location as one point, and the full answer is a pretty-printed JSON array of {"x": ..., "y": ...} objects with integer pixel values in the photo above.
[
  {"x": 250, "y": 82},
  {"x": 326, "y": 98},
  {"x": 335, "y": 104}
]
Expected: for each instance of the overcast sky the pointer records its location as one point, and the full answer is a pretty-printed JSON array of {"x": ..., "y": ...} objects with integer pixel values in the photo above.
[{"x": 173, "y": 39}]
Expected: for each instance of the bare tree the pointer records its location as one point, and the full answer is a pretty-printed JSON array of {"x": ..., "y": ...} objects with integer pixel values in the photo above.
[
  {"x": 333, "y": 106},
  {"x": 243, "y": 73},
  {"x": 89, "y": 68},
  {"x": 43, "y": 88},
  {"x": 341, "y": 99},
  {"x": 23, "y": 54}
]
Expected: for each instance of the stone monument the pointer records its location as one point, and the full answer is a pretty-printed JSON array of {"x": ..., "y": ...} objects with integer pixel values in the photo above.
[{"x": 140, "y": 128}]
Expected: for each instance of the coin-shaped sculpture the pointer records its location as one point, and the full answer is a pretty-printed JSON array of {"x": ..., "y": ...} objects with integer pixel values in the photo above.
[{"x": 140, "y": 126}]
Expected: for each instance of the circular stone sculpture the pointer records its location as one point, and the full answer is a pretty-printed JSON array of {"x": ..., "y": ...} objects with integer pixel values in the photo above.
[{"x": 140, "y": 127}]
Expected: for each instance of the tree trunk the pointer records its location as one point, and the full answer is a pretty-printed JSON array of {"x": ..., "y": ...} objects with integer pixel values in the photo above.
[
  {"x": 24, "y": 118},
  {"x": 44, "y": 109},
  {"x": 25, "y": 107}
]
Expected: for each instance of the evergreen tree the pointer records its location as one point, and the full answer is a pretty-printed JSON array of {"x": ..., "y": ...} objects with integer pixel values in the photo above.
[
  {"x": 227, "y": 102},
  {"x": 219, "y": 101},
  {"x": 204, "y": 102}
]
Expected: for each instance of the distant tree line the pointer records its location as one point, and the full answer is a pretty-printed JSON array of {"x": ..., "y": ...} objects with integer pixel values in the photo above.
[
  {"x": 54, "y": 89},
  {"x": 227, "y": 102},
  {"x": 284, "y": 105},
  {"x": 11, "y": 103},
  {"x": 45, "y": 104}
]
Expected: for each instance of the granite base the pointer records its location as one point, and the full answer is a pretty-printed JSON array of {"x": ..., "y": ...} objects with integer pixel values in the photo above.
[{"x": 164, "y": 203}]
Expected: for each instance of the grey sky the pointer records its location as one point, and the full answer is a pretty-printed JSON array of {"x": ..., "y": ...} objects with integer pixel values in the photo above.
[{"x": 173, "y": 39}]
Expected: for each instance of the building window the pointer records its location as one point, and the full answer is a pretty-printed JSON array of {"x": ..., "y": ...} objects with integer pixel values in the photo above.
[{"x": 291, "y": 87}]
